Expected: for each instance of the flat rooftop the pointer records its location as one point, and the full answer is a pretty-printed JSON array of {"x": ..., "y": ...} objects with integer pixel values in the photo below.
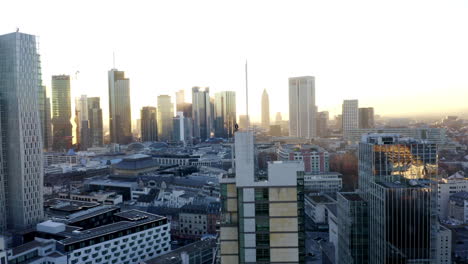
[
  {"x": 175, "y": 255},
  {"x": 354, "y": 197}
]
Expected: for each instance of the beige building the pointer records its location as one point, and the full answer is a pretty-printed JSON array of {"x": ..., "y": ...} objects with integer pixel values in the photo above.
[{"x": 263, "y": 212}]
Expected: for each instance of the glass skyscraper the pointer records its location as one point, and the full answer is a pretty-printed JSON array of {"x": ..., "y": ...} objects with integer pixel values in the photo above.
[
  {"x": 225, "y": 114},
  {"x": 201, "y": 113},
  {"x": 397, "y": 178},
  {"x": 61, "y": 113},
  {"x": 165, "y": 113},
  {"x": 21, "y": 158},
  {"x": 120, "y": 116},
  {"x": 149, "y": 127}
]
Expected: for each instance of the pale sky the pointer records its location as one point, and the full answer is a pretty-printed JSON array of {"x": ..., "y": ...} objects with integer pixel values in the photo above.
[{"x": 399, "y": 56}]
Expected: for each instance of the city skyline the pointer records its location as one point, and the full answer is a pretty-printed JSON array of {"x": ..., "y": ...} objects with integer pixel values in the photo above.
[{"x": 351, "y": 70}]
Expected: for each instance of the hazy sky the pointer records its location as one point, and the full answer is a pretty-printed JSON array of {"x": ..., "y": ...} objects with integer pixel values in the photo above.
[{"x": 401, "y": 57}]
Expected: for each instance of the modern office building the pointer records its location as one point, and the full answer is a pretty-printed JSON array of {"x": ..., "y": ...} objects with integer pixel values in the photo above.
[
  {"x": 225, "y": 114},
  {"x": 398, "y": 179},
  {"x": 322, "y": 123},
  {"x": 432, "y": 135},
  {"x": 21, "y": 158},
  {"x": 44, "y": 113},
  {"x": 201, "y": 113},
  {"x": 263, "y": 211},
  {"x": 302, "y": 109},
  {"x": 165, "y": 114},
  {"x": 350, "y": 116},
  {"x": 82, "y": 122},
  {"x": 180, "y": 100},
  {"x": 120, "y": 116},
  {"x": 366, "y": 117},
  {"x": 182, "y": 128},
  {"x": 353, "y": 229},
  {"x": 95, "y": 122},
  {"x": 278, "y": 118},
  {"x": 61, "y": 113},
  {"x": 149, "y": 125},
  {"x": 265, "y": 109}
]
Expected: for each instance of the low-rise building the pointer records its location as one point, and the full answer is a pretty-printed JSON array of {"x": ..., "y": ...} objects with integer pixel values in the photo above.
[
  {"x": 315, "y": 158},
  {"x": 135, "y": 164},
  {"x": 316, "y": 209},
  {"x": 447, "y": 187},
  {"x": 109, "y": 198},
  {"x": 203, "y": 251},
  {"x": 125, "y": 237},
  {"x": 458, "y": 207},
  {"x": 327, "y": 182}
]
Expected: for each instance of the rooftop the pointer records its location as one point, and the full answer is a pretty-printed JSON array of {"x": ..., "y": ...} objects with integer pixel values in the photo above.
[
  {"x": 354, "y": 197},
  {"x": 175, "y": 255}
]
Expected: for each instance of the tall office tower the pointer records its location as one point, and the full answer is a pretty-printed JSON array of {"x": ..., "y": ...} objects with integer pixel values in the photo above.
[
  {"x": 225, "y": 114},
  {"x": 322, "y": 123},
  {"x": 180, "y": 100},
  {"x": 61, "y": 113},
  {"x": 339, "y": 122},
  {"x": 21, "y": 158},
  {"x": 350, "y": 116},
  {"x": 366, "y": 117},
  {"x": 353, "y": 229},
  {"x": 44, "y": 113},
  {"x": 278, "y": 118},
  {"x": 263, "y": 212},
  {"x": 244, "y": 122},
  {"x": 182, "y": 128},
  {"x": 302, "y": 111},
  {"x": 265, "y": 109},
  {"x": 95, "y": 122},
  {"x": 201, "y": 113},
  {"x": 120, "y": 116},
  {"x": 398, "y": 179},
  {"x": 82, "y": 122},
  {"x": 149, "y": 127},
  {"x": 164, "y": 117}
]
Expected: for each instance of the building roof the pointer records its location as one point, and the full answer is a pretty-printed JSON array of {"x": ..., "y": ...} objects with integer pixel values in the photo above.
[
  {"x": 175, "y": 255},
  {"x": 459, "y": 196},
  {"x": 136, "y": 162},
  {"x": 354, "y": 197}
]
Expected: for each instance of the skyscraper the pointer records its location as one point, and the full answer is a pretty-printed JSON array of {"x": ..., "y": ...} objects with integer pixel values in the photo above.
[
  {"x": 262, "y": 211},
  {"x": 149, "y": 127},
  {"x": 164, "y": 117},
  {"x": 201, "y": 113},
  {"x": 82, "y": 122},
  {"x": 366, "y": 117},
  {"x": 265, "y": 110},
  {"x": 278, "y": 118},
  {"x": 182, "y": 128},
  {"x": 350, "y": 116},
  {"x": 120, "y": 116},
  {"x": 322, "y": 123},
  {"x": 21, "y": 158},
  {"x": 225, "y": 114},
  {"x": 180, "y": 100},
  {"x": 302, "y": 111},
  {"x": 398, "y": 179},
  {"x": 44, "y": 113},
  {"x": 61, "y": 113},
  {"x": 95, "y": 122}
]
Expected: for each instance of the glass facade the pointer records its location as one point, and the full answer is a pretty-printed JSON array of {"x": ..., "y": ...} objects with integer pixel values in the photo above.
[{"x": 398, "y": 179}]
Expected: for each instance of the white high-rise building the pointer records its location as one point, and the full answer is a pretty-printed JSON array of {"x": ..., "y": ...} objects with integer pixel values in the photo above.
[
  {"x": 350, "y": 116},
  {"x": 21, "y": 160},
  {"x": 302, "y": 110},
  {"x": 265, "y": 110}
]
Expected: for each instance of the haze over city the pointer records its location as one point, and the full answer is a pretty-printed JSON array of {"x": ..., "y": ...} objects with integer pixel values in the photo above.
[{"x": 402, "y": 57}]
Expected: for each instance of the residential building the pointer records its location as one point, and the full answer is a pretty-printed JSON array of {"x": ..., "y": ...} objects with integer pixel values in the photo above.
[
  {"x": 353, "y": 229},
  {"x": 201, "y": 113},
  {"x": 61, "y": 113},
  {"x": 225, "y": 114},
  {"x": 21, "y": 169},
  {"x": 316, "y": 209},
  {"x": 302, "y": 109},
  {"x": 82, "y": 122},
  {"x": 398, "y": 178},
  {"x": 350, "y": 116},
  {"x": 444, "y": 246},
  {"x": 322, "y": 123},
  {"x": 165, "y": 114},
  {"x": 182, "y": 128},
  {"x": 120, "y": 116},
  {"x": 265, "y": 109},
  {"x": 148, "y": 122},
  {"x": 270, "y": 225},
  {"x": 366, "y": 117},
  {"x": 458, "y": 207},
  {"x": 95, "y": 122},
  {"x": 105, "y": 235},
  {"x": 314, "y": 158},
  {"x": 446, "y": 188}
]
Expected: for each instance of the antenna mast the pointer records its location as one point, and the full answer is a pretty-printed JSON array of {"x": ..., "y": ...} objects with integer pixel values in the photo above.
[
  {"x": 113, "y": 60},
  {"x": 247, "y": 94}
]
